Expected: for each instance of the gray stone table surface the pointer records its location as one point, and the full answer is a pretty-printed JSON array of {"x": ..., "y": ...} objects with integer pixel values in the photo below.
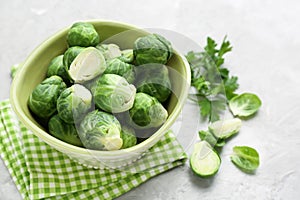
[{"x": 265, "y": 57}]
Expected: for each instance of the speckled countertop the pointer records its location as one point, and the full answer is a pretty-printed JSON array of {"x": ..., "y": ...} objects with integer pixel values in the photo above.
[{"x": 265, "y": 37}]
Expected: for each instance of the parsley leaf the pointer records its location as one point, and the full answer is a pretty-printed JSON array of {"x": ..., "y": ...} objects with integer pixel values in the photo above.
[{"x": 212, "y": 81}]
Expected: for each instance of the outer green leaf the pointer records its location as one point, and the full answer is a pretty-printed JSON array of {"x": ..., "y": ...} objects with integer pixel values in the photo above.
[
  {"x": 244, "y": 105},
  {"x": 246, "y": 158}
]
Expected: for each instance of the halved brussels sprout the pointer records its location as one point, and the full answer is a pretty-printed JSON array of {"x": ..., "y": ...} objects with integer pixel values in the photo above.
[
  {"x": 223, "y": 129},
  {"x": 128, "y": 137},
  {"x": 57, "y": 67},
  {"x": 153, "y": 79},
  {"x": 82, "y": 34},
  {"x": 100, "y": 131},
  {"x": 109, "y": 51},
  {"x": 70, "y": 54},
  {"x": 116, "y": 66},
  {"x": 147, "y": 112},
  {"x": 63, "y": 131},
  {"x": 73, "y": 103},
  {"x": 112, "y": 93},
  {"x": 42, "y": 101},
  {"x": 89, "y": 64},
  {"x": 152, "y": 48}
]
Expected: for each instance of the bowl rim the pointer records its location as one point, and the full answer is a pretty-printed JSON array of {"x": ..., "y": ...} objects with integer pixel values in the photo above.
[{"x": 53, "y": 141}]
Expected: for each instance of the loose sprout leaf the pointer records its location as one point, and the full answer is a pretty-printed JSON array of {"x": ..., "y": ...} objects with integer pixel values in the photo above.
[
  {"x": 246, "y": 158},
  {"x": 244, "y": 105}
]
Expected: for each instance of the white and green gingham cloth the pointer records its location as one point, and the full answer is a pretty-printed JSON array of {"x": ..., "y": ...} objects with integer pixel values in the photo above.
[{"x": 41, "y": 172}]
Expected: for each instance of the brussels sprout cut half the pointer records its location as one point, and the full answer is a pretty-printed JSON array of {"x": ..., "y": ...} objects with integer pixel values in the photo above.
[
  {"x": 87, "y": 65},
  {"x": 224, "y": 129},
  {"x": 204, "y": 161}
]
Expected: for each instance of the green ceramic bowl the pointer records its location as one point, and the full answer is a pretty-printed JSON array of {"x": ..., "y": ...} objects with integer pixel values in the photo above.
[{"x": 34, "y": 71}]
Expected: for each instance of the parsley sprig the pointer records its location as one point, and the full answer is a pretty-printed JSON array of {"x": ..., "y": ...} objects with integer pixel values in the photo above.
[{"x": 214, "y": 86}]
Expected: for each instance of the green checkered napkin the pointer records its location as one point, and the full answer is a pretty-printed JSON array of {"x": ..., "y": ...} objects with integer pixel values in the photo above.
[{"x": 41, "y": 172}]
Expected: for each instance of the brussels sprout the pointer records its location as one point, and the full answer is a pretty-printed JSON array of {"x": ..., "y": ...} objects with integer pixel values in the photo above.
[
  {"x": 57, "y": 67},
  {"x": 63, "y": 131},
  {"x": 73, "y": 103},
  {"x": 70, "y": 55},
  {"x": 116, "y": 66},
  {"x": 109, "y": 51},
  {"x": 87, "y": 65},
  {"x": 82, "y": 34},
  {"x": 100, "y": 131},
  {"x": 42, "y": 101},
  {"x": 153, "y": 79},
  {"x": 128, "y": 137},
  {"x": 127, "y": 56},
  {"x": 112, "y": 93},
  {"x": 152, "y": 48},
  {"x": 147, "y": 112}
]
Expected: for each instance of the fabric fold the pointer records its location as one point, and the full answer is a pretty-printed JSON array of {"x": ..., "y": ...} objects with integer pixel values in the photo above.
[{"x": 39, "y": 171}]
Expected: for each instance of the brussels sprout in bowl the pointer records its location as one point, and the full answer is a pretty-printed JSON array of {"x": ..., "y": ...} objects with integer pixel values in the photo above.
[{"x": 38, "y": 61}]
